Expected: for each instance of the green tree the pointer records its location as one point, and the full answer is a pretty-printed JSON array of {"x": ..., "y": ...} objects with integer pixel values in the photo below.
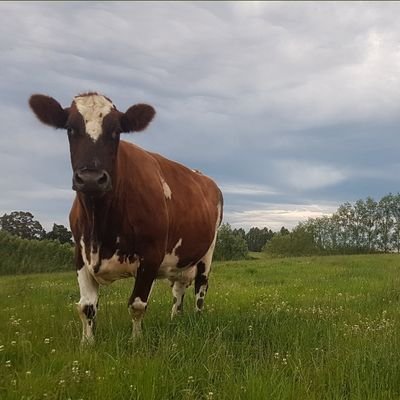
[
  {"x": 299, "y": 242},
  {"x": 385, "y": 222},
  {"x": 22, "y": 224},
  {"x": 240, "y": 232},
  {"x": 283, "y": 231},
  {"x": 369, "y": 220},
  {"x": 396, "y": 222},
  {"x": 256, "y": 238},
  {"x": 229, "y": 246},
  {"x": 60, "y": 233},
  {"x": 345, "y": 219}
]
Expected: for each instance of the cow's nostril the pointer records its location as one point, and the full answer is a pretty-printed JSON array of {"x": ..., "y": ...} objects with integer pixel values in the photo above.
[
  {"x": 78, "y": 179},
  {"x": 103, "y": 179}
]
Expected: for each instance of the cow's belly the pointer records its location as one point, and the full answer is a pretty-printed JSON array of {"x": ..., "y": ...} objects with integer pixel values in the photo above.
[
  {"x": 113, "y": 269},
  {"x": 173, "y": 273}
]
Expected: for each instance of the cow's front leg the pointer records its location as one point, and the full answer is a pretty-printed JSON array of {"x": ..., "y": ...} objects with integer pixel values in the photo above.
[
  {"x": 88, "y": 303},
  {"x": 137, "y": 304}
]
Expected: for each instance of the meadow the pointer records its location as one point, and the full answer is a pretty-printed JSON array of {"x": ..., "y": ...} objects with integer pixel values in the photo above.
[{"x": 291, "y": 328}]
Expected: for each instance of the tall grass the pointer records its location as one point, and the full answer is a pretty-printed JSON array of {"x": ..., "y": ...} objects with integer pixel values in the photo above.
[
  {"x": 21, "y": 256},
  {"x": 300, "y": 328}
]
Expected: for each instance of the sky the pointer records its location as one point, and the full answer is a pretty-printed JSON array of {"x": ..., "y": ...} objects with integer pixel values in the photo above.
[{"x": 293, "y": 108}]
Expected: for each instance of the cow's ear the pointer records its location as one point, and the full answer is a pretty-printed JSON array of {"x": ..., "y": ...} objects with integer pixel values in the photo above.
[
  {"x": 48, "y": 110},
  {"x": 137, "y": 118}
]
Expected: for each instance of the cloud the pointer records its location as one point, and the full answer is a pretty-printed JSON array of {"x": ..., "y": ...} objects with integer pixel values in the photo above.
[
  {"x": 308, "y": 176},
  {"x": 247, "y": 190},
  {"x": 282, "y": 103},
  {"x": 276, "y": 216}
]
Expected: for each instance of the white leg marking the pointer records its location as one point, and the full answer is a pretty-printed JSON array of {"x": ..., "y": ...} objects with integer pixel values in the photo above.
[
  {"x": 200, "y": 295},
  {"x": 137, "y": 310},
  {"x": 178, "y": 292},
  {"x": 138, "y": 304},
  {"x": 89, "y": 290}
]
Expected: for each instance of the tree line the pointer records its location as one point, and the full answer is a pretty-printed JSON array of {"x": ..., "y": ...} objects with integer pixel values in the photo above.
[
  {"x": 232, "y": 244},
  {"x": 24, "y": 225},
  {"x": 367, "y": 226},
  {"x": 235, "y": 244}
]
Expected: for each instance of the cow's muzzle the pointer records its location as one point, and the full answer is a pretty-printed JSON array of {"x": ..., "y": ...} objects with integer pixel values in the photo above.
[{"x": 91, "y": 181}]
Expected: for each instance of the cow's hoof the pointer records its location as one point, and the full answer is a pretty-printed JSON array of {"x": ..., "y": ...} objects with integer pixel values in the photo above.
[{"x": 87, "y": 341}]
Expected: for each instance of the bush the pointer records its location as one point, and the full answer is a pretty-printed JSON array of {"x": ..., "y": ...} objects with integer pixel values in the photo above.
[
  {"x": 300, "y": 242},
  {"x": 18, "y": 256},
  {"x": 230, "y": 245}
]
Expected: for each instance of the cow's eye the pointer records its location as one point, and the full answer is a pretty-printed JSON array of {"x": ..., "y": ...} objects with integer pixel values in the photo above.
[
  {"x": 114, "y": 135},
  {"x": 70, "y": 131}
]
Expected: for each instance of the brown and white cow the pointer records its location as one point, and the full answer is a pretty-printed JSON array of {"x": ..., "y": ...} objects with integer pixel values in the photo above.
[{"x": 135, "y": 213}]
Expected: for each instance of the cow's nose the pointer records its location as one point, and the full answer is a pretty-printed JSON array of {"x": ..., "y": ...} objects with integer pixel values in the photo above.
[{"x": 91, "y": 181}]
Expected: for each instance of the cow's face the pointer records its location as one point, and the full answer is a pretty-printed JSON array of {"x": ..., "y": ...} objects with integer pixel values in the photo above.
[{"x": 94, "y": 126}]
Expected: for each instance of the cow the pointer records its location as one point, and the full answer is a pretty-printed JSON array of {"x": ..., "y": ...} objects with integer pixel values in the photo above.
[{"x": 135, "y": 213}]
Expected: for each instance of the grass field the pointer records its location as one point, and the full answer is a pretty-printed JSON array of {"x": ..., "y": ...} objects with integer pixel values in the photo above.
[{"x": 301, "y": 328}]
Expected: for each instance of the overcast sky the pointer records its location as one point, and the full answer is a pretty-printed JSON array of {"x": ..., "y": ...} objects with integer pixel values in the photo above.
[{"x": 293, "y": 108}]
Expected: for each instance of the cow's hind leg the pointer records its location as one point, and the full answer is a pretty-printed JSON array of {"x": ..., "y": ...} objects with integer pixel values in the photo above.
[
  {"x": 178, "y": 293},
  {"x": 201, "y": 284},
  {"x": 201, "y": 279},
  {"x": 88, "y": 303}
]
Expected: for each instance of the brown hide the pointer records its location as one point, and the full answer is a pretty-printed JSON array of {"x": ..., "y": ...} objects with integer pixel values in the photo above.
[{"x": 147, "y": 222}]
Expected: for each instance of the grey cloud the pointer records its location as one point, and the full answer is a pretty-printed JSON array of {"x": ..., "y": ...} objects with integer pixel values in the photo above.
[{"x": 283, "y": 103}]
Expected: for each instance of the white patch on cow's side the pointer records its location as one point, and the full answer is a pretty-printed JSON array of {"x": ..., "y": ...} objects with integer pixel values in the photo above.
[
  {"x": 166, "y": 188},
  {"x": 207, "y": 259},
  {"x": 171, "y": 259},
  {"x": 93, "y": 109},
  {"x": 169, "y": 268},
  {"x": 111, "y": 269}
]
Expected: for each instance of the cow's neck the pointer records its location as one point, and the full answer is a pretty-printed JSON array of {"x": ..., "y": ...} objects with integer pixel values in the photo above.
[{"x": 97, "y": 211}]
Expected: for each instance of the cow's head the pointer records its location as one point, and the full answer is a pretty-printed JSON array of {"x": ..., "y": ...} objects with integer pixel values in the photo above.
[{"x": 94, "y": 126}]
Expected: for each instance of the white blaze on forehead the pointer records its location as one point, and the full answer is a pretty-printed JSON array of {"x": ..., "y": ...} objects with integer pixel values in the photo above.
[{"x": 93, "y": 109}]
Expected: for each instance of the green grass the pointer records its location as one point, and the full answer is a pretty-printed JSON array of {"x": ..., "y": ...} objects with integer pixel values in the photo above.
[{"x": 299, "y": 328}]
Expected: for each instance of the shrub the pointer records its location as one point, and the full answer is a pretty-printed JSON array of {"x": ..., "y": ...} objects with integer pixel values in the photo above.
[
  {"x": 299, "y": 242},
  {"x": 18, "y": 256},
  {"x": 230, "y": 245}
]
